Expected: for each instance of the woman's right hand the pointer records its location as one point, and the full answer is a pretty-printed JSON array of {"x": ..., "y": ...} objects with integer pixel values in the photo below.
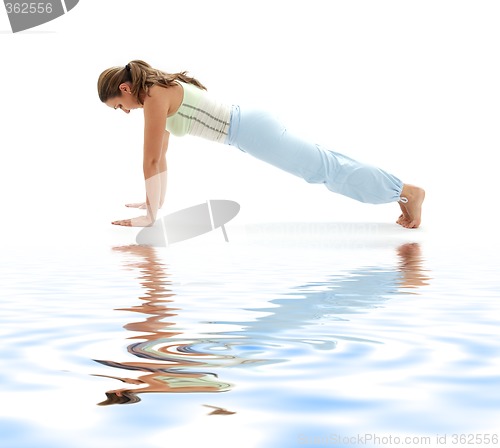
[{"x": 141, "y": 205}]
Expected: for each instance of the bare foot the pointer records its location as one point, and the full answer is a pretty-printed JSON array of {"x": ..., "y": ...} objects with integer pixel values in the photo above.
[{"x": 412, "y": 209}]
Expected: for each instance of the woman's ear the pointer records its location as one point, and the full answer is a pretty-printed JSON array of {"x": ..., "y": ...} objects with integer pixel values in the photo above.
[{"x": 124, "y": 87}]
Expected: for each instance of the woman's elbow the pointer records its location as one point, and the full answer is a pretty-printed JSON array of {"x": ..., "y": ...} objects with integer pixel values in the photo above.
[{"x": 151, "y": 166}]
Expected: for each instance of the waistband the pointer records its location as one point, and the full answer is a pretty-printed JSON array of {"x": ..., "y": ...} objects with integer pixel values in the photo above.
[{"x": 234, "y": 125}]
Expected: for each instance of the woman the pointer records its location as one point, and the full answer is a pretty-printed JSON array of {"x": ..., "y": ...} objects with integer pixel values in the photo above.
[{"x": 178, "y": 104}]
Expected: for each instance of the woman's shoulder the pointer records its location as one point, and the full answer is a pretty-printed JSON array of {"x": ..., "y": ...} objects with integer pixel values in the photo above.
[
  {"x": 173, "y": 95},
  {"x": 172, "y": 90}
]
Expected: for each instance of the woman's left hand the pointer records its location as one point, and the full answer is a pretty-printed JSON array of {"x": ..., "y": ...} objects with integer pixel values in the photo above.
[{"x": 140, "y": 221}]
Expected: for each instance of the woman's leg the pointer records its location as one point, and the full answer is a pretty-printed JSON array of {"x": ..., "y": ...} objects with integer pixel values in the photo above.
[{"x": 266, "y": 138}]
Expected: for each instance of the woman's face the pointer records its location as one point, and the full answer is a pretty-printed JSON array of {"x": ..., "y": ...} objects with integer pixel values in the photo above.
[{"x": 125, "y": 101}]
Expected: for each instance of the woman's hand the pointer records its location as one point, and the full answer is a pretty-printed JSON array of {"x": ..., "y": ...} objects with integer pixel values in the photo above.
[
  {"x": 141, "y": 205},
  {"x": 140, "y": 221}
]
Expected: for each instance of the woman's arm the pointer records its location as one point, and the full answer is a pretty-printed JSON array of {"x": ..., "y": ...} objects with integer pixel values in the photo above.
[
  {"x": 156, "y": 109},
  {"x": 163, "y": 167},
  {"x": 163, "y": 175}
]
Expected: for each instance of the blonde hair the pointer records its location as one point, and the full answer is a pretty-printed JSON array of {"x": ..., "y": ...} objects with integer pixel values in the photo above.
[{"x": 141, "y": 77}]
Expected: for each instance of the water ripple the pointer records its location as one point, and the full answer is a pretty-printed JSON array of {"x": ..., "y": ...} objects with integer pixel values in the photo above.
[{"x": 312, "y": 343}]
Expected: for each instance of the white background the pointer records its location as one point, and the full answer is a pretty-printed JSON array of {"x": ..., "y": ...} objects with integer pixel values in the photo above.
[{"x": 412, "y": 87}]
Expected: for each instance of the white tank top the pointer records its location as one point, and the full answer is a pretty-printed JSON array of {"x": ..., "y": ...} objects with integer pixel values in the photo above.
[{"x": 200, "y": 115}]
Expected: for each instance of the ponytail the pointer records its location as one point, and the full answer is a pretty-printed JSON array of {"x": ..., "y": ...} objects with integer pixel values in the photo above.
[{"x": 141, "y": 76}]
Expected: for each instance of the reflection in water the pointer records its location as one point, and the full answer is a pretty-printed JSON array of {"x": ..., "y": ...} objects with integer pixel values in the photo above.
[
  {"x": 172, "y": 364},
  {"x": 410, "y": 266},
  {"x": 334, "y": 299},
  {"x": 218, "y": 411}
]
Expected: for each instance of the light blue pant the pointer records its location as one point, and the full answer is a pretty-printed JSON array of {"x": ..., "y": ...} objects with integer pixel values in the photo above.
[{"x": 260, "y": 134}]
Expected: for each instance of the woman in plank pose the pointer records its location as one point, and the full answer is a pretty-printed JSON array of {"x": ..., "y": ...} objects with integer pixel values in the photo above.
[{"x": 179, "y": 104}]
